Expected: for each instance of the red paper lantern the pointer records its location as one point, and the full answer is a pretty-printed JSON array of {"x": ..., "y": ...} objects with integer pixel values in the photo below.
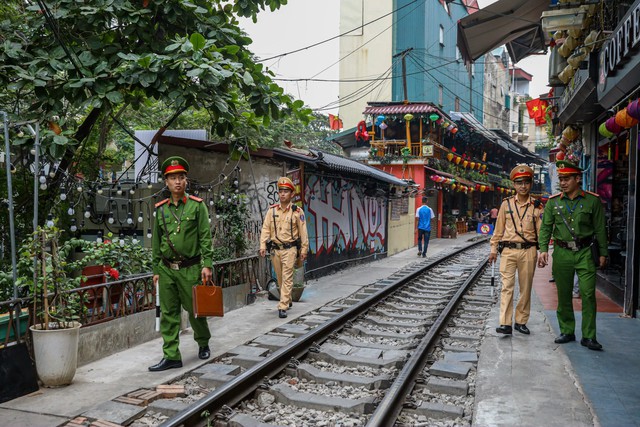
[{"x": 560, "y": 155}]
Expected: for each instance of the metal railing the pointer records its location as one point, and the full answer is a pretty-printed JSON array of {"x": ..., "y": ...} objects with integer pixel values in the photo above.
[
  {"x": 92, "y": 304},
  {"x": 102, "y": 302}
]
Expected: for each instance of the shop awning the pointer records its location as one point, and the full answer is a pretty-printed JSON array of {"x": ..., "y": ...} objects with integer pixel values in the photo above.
[
  {"x": 514, "y": 23},
  {"x": 471, "y": 120}
]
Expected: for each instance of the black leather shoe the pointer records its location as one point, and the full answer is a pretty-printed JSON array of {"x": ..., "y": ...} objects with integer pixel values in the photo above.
[
  {"x": 290, "y": 304},
  {"x": 591, "y": 343},
  {"x": 204, "y": 352},
  {"x": 564, "y": 338},
  {"x": 552, "y": 280},
  {"x": 282, "y": 314},
  {"x": 504, "y": 329},
  {"x": 522, "y": 328},
  {"x": 166, "y": 364}
]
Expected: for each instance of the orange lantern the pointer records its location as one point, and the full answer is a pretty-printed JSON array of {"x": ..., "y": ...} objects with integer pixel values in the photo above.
[
  {"x": 484, "y": 168},
  {"x": 458, "y": 159},
  {"x": 483, "y": 188},
  {"x": 453, "y": 186},
  {"x": 472, "y": 165},
  {"x": 624, "y": 120},
  {"x": 450, "y": 156}
]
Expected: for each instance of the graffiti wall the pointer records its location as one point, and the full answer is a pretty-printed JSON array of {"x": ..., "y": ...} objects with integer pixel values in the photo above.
[{"x": 343, "y": 223}]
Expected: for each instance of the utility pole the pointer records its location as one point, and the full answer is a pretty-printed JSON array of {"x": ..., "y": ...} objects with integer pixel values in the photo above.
[{"x": 404, "y": 72}]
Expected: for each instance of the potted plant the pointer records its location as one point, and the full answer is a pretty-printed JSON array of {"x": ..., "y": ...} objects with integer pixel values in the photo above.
[
  {"x": 106, "y": 261},
  {"x": 56, "y": 333},
  {"x": 298, "y": 282}
]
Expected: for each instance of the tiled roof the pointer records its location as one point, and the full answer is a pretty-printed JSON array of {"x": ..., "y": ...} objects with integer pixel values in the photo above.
[{"x": 402, "y": 109}]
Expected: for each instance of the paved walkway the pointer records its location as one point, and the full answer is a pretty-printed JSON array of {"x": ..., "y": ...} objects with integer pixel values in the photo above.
[{"x": 522, "y": 380}]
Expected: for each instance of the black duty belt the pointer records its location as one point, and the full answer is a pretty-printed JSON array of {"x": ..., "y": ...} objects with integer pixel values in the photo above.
[
  {"x": 576, "y": 245},
  {"x": 518, "y": 245},
  {"x": 177, "y": 265},
  {"x": 287, "y": 245}
]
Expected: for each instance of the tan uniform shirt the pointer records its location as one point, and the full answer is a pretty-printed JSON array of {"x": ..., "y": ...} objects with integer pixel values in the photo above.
[
  {"x": 527, "y": 222},
  {"x": 286, "y": 228}
]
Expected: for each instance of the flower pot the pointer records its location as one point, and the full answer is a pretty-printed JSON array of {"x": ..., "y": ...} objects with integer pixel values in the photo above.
[
  {"x": 56, "y": 353},
  {"x": 296, "y": 293}
]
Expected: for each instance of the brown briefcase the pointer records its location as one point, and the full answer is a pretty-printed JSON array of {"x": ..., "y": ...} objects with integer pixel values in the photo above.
[{"x": 207, "y": 300}]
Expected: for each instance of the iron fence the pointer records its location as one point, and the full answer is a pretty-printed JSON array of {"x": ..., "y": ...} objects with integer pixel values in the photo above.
[{"x": 102, "y": 302}]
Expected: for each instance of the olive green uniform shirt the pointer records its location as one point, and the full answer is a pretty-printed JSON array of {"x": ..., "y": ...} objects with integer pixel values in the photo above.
[
  {"x": 188, "y": 227},
  {"x": 584, "y": 214}
]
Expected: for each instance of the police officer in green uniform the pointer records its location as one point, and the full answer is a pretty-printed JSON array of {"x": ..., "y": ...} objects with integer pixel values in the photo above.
[
  {"x": 182, "y": 258},
  {"x": 575, "y": 220}
]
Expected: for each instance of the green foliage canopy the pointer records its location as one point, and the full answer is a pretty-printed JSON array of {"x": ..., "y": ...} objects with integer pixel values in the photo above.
[{"x": 62, "y": 60}]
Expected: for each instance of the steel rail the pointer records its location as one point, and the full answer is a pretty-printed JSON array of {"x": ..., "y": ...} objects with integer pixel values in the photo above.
[
  {"x": 391, "y": 405},
  {"x": 244, "y": 384}
]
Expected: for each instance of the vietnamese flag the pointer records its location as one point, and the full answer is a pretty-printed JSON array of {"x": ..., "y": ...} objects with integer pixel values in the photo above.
[
  {"x": 335, "y": 123},
  {"x": 537, "y": 108}
]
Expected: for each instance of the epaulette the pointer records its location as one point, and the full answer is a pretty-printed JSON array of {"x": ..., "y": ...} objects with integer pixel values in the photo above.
[
  {"x": 162, "y": 202},
  {"x": 592, "y": 193},
  {"x": 555, "y": 195},
  {"x": 197, "y": 199}
]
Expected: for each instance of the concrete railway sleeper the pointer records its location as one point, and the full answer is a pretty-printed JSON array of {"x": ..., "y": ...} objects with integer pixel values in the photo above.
[{"x": 401, "y": 351}]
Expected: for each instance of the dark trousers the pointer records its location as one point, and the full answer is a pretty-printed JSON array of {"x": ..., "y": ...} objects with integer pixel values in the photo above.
[{"x": 426, "y": 235}]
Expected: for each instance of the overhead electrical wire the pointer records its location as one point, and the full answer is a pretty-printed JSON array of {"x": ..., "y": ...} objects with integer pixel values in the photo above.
[{"x": 338, "y": 36}]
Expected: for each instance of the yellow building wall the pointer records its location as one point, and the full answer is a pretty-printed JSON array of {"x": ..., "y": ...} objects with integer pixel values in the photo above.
[{"x": 401, "y": 232}]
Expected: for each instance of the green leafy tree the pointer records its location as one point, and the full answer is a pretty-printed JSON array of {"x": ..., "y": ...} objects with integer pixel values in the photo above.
[
  {"x": 78, "y": 68},
  {"x": 73, "y": 65}
]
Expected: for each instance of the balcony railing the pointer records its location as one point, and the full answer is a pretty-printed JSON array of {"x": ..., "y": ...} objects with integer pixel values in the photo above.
[{"x": 393, "y": 147}]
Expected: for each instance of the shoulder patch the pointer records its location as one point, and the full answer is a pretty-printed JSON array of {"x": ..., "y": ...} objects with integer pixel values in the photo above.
[
  {"x": 162, "y": 202},
  {"x": 301, "y": 216},
  {"x": 592, "y": 193},
  {"x": 555, "y": 195},
  {"x": 197, "y": 199},
  {"x": 275, "y": 205}
]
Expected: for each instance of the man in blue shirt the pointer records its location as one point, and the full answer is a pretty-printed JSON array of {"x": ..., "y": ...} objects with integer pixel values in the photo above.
[{"x": 424, "y": 214}]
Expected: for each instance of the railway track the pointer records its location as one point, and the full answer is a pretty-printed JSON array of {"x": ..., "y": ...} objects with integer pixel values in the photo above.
[{"x": 401, "y": 351}]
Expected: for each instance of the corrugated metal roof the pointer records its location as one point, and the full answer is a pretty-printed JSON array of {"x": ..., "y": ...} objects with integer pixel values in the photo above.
[
  {"x": 320, "y": 159},
  {"x": 401, "y": 109},
  {"x": 343, "y": 164},
  {"x": 518, "y": 148},
  {"x": 471, "y": 120}
]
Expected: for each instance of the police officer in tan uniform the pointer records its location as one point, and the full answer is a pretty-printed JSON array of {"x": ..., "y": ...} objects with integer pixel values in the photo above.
[
  {"x": 516, "y": 237},
  {"x": 285, "y": 232}
]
